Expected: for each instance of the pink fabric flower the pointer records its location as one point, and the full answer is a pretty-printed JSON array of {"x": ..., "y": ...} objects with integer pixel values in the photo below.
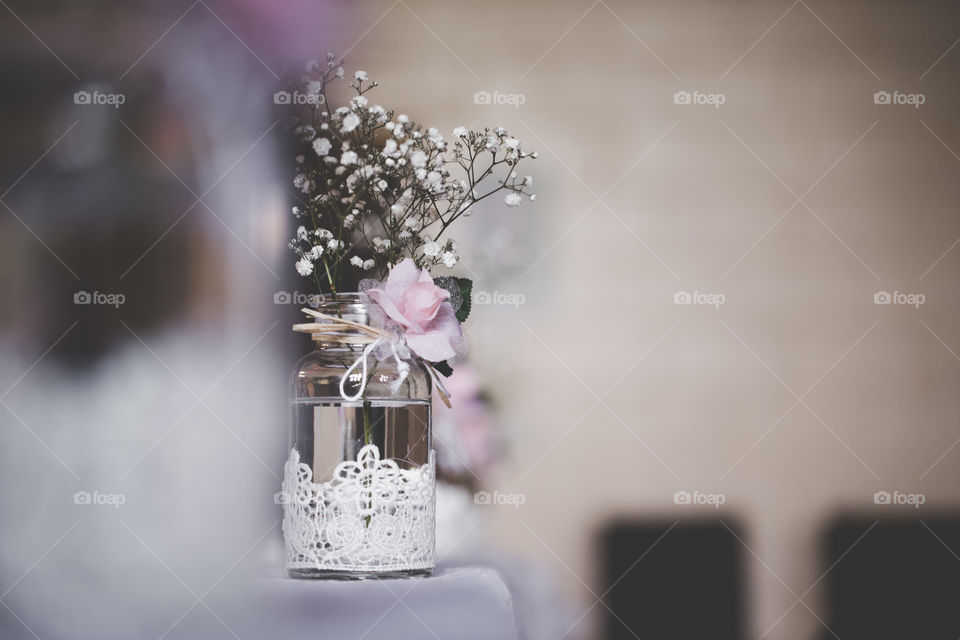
[{"x": 410, "y": 299}]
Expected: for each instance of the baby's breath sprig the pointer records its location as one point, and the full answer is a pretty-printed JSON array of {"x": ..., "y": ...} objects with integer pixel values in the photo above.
[{"x": 375, "y": 189}]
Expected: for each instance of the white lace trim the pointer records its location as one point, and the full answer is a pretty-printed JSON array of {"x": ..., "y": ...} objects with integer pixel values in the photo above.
[{"x": 372, "y": 516}]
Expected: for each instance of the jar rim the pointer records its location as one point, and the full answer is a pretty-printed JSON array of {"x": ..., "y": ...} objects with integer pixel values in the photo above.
[{"x": 352, "y": 305}]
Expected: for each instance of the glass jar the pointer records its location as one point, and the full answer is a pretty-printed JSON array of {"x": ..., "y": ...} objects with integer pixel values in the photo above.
[{"x": 359, "y": 483}]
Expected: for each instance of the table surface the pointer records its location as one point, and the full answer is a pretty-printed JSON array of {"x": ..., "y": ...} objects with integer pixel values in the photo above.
[{"x": 455, "y": 603}]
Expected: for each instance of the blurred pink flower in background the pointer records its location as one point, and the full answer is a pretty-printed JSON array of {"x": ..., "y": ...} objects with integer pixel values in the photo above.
[{"x": 466, "y": 435}]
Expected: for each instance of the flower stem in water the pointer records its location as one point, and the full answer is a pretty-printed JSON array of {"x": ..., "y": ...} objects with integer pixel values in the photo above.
[{"x": 367, "y": 424}]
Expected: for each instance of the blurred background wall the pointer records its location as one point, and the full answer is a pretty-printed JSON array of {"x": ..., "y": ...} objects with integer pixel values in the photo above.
[{"x": 778, "y": 165}]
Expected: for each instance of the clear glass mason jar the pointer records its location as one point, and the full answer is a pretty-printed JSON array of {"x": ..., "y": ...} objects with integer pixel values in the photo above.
[{"x": 359, "y": 483}]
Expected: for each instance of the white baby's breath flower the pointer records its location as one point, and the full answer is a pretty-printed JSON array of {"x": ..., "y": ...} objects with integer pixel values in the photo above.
[
  {"x": 348, "y": 158},
  {"x": 418, "y": 159},
  {"x": 403, "y": 118},
  {"x": 431, "y": 249},
  {"x": 512, "y": 199},
  {"x": 357, "y": 261},
  {"x": 511, "y": 143},
  {"x": 360, "y": 75},
  {"x": 334, "y": 244},
  {"x": 358, "y": 102},
  {"x": 380, "y": 244},
  {"x": 300, "y": 159},
  {"x": 368, "y": 264},
  {"x": 449, "y": 259},
  {"x": 460, "y": 132},
  {"x": 350, "y": 122},
  {"x": 321, "y": 146},
  {"x": 340, "y": 72},
  {"x": 304, "y": 266}
]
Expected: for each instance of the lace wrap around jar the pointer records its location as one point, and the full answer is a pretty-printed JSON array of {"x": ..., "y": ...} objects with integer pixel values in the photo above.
[{"x": 359, "y": 482}]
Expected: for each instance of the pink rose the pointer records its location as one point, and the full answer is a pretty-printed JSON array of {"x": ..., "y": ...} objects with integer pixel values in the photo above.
[{"x": 410, "y": 299}]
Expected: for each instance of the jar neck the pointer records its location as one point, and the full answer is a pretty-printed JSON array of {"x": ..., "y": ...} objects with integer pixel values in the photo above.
[{"x": 351, "y": 306}]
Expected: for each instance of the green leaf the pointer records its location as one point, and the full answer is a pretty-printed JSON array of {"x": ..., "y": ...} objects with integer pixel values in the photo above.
[
  {"x": 443, "y": 368},
  {"x": 466, "y": 290},
  {"x": 460, "y": 290}
]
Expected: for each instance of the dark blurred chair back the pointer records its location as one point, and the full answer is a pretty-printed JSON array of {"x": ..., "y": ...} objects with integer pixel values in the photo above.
[
  {"x": 894, "y": 579},
  {"x": 679, "y": 583}
]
